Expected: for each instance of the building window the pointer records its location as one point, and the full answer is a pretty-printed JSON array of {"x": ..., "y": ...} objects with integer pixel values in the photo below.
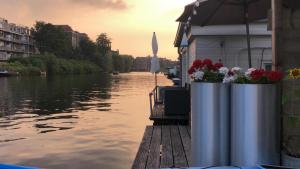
[{"x": 268, "y": 66}]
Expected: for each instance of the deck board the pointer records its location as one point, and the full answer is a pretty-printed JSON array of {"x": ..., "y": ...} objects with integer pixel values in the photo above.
[
  {"x": 167, "y": 154},
  {"x": 178, "y": 150},
  {"x": 186, "y": 141},
  {"x": 142, "y": 154},
  {"x": 154, "y": 152},
  {"x": 163, "y": 146}
]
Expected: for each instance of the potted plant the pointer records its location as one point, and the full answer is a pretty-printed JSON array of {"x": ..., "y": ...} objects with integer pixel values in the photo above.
[
  {"x": 209, "y": 114},
  {"x": 255, "y": 118},
  {"x": 291, "y": 119}
]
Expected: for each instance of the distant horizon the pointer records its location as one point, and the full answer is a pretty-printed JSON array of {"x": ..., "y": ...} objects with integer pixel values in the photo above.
[{"x": 140, "y": 21}]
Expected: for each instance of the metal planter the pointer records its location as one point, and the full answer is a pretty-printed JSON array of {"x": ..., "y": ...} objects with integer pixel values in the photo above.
[
  {"x": 255, "y": 124},
  {"x": 210, "y": 124},
  {"x": 290, "y": 161}
]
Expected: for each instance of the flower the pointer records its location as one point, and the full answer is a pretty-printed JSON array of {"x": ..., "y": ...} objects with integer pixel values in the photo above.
[
  {"x": 197, "y": 64},
  {"x": 294, "y": 73},
  {"x": 274, "y": 76},
  {"x": 226, "y": 79},
  {"x": 206, "y": 71},
  {"x": 257, "y": 75},
  {"x": 191, "y": 70},
  {"x": 230, "y": 76},
  {"x": 218, "y": 65},
  {"x": 198, "y": 75},
  {"x": 208, "y": 63},
  {"x": 248, "y": 72},
  {"x": 230, "y": 73},
  {"x": 236, "y": 69},
  {"x": 223, "y": 70}
]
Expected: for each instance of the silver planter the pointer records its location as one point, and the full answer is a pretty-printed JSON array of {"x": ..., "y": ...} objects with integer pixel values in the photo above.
[
  {"x": 210, "y": 124},
  {"x": 255, "y": 122},
  {"x": 289, "y": 161}
]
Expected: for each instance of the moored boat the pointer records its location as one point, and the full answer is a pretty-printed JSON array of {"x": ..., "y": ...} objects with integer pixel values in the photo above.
[
  {"x": 115, "y": 72},
  {"x": 4, "y": 73}
]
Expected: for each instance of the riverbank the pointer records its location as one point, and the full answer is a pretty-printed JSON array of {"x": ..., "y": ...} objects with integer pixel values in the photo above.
[{"x": 49, "y": 64}]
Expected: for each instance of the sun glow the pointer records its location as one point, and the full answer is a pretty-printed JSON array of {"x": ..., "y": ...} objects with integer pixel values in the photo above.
[{"x": 130, "y": 28}]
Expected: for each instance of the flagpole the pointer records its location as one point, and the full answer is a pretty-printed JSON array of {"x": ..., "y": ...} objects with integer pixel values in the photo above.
[{"x": 156, "y": 85}]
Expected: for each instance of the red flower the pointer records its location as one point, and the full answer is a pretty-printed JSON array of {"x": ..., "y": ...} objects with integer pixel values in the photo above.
[
  {"x": 191, "y": 70},
  {"x": 275, "y": 76},
  {"x": 230, "y": 73},
  {"x": 207, "y": 62},
  {"x": 197, "y": 64},
  {"x": 256, "y": 75},
  {"x": 218, "y": 65}
]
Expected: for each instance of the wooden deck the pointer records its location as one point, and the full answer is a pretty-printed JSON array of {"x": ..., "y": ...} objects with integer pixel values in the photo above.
[
  {"x": 159, "y": 117},
  {"x": 164, "y": 146}
]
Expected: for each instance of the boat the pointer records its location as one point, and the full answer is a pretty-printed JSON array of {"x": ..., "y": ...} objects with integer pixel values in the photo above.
[
  {"x": 176, "y": 81},
  {"x": 10, "y": 166},
  {"x": 115, "y": 72},
  {"x": 4, "y": 73}
]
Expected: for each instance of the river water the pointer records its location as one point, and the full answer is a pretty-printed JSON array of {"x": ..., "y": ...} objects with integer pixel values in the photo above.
[{"x": 64, "y": 122}]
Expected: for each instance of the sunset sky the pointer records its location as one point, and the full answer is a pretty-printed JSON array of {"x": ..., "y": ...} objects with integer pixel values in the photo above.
[{"x": 129, "y": 23}]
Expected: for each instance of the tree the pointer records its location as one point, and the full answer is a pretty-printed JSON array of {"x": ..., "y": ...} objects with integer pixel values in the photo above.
[
  {"x": 103, "y": 43},
  {"x": 128, "y": 62},
  {"x": 122, "y": 63},
  {"x": 88, "y": 49},
  {"x": 51, "y": 39}
]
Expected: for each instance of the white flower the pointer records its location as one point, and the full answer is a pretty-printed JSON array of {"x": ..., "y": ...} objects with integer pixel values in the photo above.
[
  {"x": 236, "y": 69},
  {"x": 198, "y": 75},
  {"x": 229, "y": 79},
  {"x": 226, "y": 79},
  {"x": 248, "y": 72},
  {"x": 234, "y": 77},
  {"x": 223, "y": 70}
]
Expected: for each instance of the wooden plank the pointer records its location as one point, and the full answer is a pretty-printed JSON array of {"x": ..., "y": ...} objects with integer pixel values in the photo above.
[
  {"x": 186, "y": 141},
  {"x": 189, "y": 130},
  {"x": 142, "y": 154},
  {"x": 160, "y": 111},
  {"x": 167, "y": 154},
  {"x": 178, "y": 150},
  {"x": 154, "y": 153}
]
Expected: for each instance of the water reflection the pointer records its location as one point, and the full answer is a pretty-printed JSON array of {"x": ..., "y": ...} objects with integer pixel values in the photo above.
[
  {"x": 94, "y": 121},
  {"x": 49, "y": 98}
]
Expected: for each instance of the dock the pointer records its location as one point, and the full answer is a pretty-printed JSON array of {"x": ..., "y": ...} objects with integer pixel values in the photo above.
[{"x": 164, "y": 146}]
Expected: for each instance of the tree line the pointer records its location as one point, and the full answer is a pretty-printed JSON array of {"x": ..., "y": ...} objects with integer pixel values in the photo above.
[{"x": 52, "y": 39}]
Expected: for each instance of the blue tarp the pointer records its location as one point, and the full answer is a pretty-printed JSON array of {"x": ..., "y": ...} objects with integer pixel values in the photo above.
[
  {"x": 227, "y": 167},
  {"x": 8, "y": 166}
]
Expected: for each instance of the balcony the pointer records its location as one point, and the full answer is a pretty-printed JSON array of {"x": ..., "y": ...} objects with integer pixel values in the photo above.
[
  {"x": 20, "y": 41},
  {"x": 5, "y": 48}
]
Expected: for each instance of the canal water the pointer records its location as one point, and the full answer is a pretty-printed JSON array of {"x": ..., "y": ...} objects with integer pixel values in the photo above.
[{"x": 72, "y": 122}]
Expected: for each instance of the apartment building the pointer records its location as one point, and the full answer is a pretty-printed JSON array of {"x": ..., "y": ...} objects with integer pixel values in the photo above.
[
  {"x": 74, "y": 36},
  {"x": 15, "y": 40}
]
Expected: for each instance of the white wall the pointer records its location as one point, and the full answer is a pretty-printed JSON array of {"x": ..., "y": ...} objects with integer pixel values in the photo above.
[
  {"x": 234, "y": 49},
  {"x": 192, "y": 49}
]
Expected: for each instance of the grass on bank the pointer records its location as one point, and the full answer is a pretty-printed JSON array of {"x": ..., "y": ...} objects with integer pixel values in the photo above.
[{"x": 34, "y": 65}]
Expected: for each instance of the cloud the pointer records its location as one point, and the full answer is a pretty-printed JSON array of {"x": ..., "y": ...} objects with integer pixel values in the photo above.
[{"x": 103, "y": 4}]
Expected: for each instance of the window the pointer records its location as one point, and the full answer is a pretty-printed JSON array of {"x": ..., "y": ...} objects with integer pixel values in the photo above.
[{"x": 268, "y": 66}]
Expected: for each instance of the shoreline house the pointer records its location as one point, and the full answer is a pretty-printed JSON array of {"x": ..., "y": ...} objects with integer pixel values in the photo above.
[
  {"x": 227, "y": 43},
  {"x": 73, "y": 36},
  {"x": 15, "y": 40}
]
